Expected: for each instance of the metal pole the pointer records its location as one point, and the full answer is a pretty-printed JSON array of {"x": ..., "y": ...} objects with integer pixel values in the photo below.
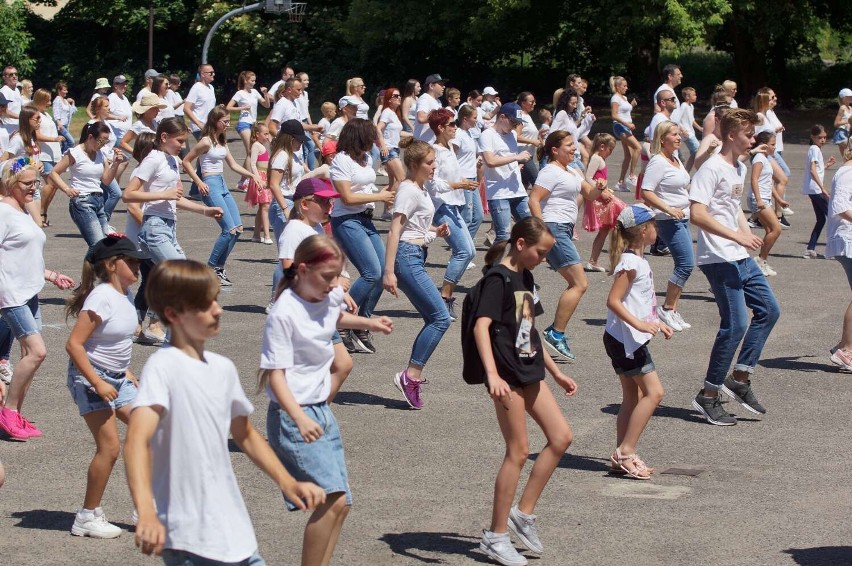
[
  {"x": 150, "y": 34},
  {"x": 220, "y": 21}
]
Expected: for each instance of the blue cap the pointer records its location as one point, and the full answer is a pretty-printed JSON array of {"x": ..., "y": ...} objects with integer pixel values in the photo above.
[
  {"x": 512, "y": 111},
  {"x": 634, "y": 215}
]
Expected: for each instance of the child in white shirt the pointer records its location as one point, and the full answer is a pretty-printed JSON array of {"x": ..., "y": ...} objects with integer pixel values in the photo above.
[{"x": 812, "y": 185}]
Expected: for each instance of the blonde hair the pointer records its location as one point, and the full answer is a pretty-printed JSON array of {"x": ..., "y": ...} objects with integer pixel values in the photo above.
[
  {"x": 14, "y": 168},
  {"x": 603, "y": 139},
  {"x": 623, "y": 238},
  {"x": 349, "y": 88},
  {"x": 614, "y": 82},
  {"x": 661, "y": 130}
]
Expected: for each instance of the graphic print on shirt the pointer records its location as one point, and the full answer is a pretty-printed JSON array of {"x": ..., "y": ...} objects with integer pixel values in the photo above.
[
  {"x": 525, "y": 315},
  {"x": 737, "y": 191}
]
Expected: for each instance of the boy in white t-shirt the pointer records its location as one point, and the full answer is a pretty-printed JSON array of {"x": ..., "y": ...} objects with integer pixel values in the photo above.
[
  {"x": 685, "y": 117},
  {"x": 738, "y": 284},
  {"x": 176, "y": 454}
]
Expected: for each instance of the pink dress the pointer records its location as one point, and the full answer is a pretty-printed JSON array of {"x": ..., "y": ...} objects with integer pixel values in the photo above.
[
  {"x": 599, "y": 214},
  {"x": 259, "y": 195}
]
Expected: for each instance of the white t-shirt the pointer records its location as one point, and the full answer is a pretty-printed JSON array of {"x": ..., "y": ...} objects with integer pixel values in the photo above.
[
  {"x": 529, "y": 131},
  {"x": 86, "y": 173},
  {"x": 167, "y": 112},
  {"x": 142, "y": 92},
  {"x": 685, "y": 118},
  {"x": 50, "y": 151},
  {"x": 297, "y": 338},
  {"x": 290, "y": 178},
  {"x": 624, "y": 109},
  {"x": 175, "y": 100},
  {"x": 4, "y": 141},
  {"x": 656, "y": 120},
  {"x": 120, "y": 106},
  {"x": 21, "y": 257},
  {"x": 274, "y": 89},
  {"x": 416, "y": 205},
  {"x": 16, "y": 146},
  {"x": 363, "y": 110},
  {"x": 361, "y": 177},
  {"x": 295, "y": 232},
  {"x": 111, "y": 342},
  {"x": 775, "y": 123},
  {"x": 202, "y": 99},
  {"x": 640, "y": 300},
  {"x": 158, "y": 173},
  {"x": 333, "y": 131},
  {"x": 250, "y": 99},
  {"x": 719, "y": 186},
  {"x": 304, "y": 104},
  {"x": 285, "y": 109},
  {"x": 838, "y": 239},
  {"x": 212, "y": 162},
  {"x": 668, "y": 182},
  {"x": 198, "y": 499},
  {"x": 447, "y": 170},
  {"x": 564, "y": 187},
  {"x": 393, "y": 127},
  {"x": 466, "y": 152},
  {"x": 63, "y": 112},
  {"x": 15, "y": 103},
  {"x": 764, "y": 178},
  {"x": 502, "y": 182},
  {"x": 425, "y": 103},
  {"x": 326, "y": 126},
  {"x": 664, "y": 86},
  {"x": 809, "y": 186}
]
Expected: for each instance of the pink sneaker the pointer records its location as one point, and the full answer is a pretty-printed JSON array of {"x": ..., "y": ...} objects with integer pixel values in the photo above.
[
  {"x": 843, "y": 358},
  {"x": 29, "y": 427},
  {"x": 11, "y": 425},
  {"x": 410, "y": 389}
]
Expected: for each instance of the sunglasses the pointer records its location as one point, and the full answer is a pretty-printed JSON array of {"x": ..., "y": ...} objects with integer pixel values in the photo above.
[
  {"x": 397, "y": 95},
  {"x": 672, "y": 99}
]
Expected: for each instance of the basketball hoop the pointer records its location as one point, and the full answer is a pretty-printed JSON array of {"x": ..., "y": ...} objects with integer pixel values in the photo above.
[{"x": 296, "y": 13}]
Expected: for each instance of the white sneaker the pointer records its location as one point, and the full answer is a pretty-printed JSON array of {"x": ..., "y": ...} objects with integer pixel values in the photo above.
[
  {"x": 266, "y": 241},
  {"x": 787, "y": 211},
  {"x": 765, "y": 268},
  {"x": 269, "y": 307},
  {"x": 669, "y": 318},
  {"x": 809, "y": 254},
  {"x": 94, "y": 524},
  {"x": 632, "y": 181},
  {"x": 500, "y": 548},
  {"x": 470, "y": 266},
  {"x": 621, "y": 187},
  {"x": 683, "y": 324},
  {"x": 524, "y": 528},
  {"x": 489, "y": 238},
  {"x": 591, "y": 267},
  {"x": 6, "y": 371}
]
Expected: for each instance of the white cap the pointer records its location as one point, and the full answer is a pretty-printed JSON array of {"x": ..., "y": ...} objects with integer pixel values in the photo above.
[
  {"x": 489, "y": 90},
  {"x": 844, "y": 92}
]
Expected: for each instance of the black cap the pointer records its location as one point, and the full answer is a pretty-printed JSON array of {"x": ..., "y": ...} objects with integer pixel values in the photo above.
[
  {"x": 295, "y": 129},
  {"x": 436, "y": 78},
  {"x": 111, "y": 246}
]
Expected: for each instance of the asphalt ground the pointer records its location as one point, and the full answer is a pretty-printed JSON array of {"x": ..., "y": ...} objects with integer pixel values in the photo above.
[{"x": 771, "y": 490}]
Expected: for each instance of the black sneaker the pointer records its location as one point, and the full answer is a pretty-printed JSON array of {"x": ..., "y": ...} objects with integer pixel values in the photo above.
[
  {"x": 660, "y": 250},
  {"x": 223, "y": 277},
  {"x": 742, "y": 394},
  {"x": 785, "y": 224},
  {"x": 451, "y": 307},
  {"x": 712, "y": 410},
  {"x": 364, "y": 341},
  {"x": 349, "y": 341}
]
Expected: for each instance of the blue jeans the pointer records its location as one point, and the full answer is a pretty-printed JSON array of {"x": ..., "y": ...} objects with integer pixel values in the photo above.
[
  {"x": 87, "y": 212},
  {"x": 173, "y": 557},
  {"x": 737, "y": 287},
  {"x": 529, "y": 173},
  {"x": 412, "y": 279},
  {"x": 309, "y": 151},
  {"x": 158, "y": 239},
  {"x": 459, "y": 240},
  {"x": 193, "y": 188},
  {"x": 473, "y": 212},
  {"x": 278, "y": 222},
  {"x": 363, "y": 245},
  {"x": 68, "y": 142},
  {"x": 778, "y": 156},
  {"x": 820, "y": 205},
  {"x": 503, "y": 210},
  {"x": 112, "y": 194},
  {"x": 230, "y": 223},
  {"x": 675, "y": 234}
]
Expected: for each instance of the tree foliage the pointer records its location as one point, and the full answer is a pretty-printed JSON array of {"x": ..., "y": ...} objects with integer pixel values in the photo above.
[{"x": 15, "y": 38}]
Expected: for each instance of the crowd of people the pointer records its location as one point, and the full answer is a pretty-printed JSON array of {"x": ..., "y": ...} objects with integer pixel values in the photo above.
[{"x": 448, "y": 163}]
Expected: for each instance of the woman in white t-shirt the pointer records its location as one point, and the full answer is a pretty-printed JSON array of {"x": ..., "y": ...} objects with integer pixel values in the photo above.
[
  {"x": 212, "y": 153},
  {"x": 391, "y": 130},
  {"x": 528, "y": 138},
  {"x": 623, "y": 128},
  {"x": 49, "y": 142},
  {"x": 156, "y": 183},
  {"x": 90, "y": 170},
  {"x": 354, "y": 178},
  {"x": 665, "y": 188},
  {"x": 22, "y": 277},
  {"x": 408, "y": 110},
  {"x": 356, "y": 88},
  {"x": 63, "y": 113},
  {"x": 765, "y": 191},
  {"x": 245, "y": 102},
  {"x": 764, "y": 104},
  {"x": 466, "y": 146},
  {"x": 814, "y": 187},
  {"x": 838, "y": 244},
  {"x": 411, "y": 231},
  {"x": 24, "y": 143},
  {"x": 99, "y": 377},
  {"x": 160, "y": 87},
  {"x": 554, "y": 199}
]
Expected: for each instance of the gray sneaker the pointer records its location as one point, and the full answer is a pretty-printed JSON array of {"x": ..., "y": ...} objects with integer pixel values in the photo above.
[
  {"x": 451, "y": 307},
  {"x": 500, "y": 548},
  {"x": 742, "y": 394},
  {"x": 712, "y": 410},
  {"x": 524, "y": 528}
]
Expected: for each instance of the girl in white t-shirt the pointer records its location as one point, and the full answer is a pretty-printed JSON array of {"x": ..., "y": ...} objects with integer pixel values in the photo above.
[
  {"x": 99, "y": 376},
  {"x": 24, "y": 143},
  {"x": 466, "y": 145},
  {"x": 623, "y": 128},
  {"x": 812, "y": 185},
  {"x": 599, "y": 215},
  {"x": 410, "y": 233},
  {"x": 631, "y": 322},
  {"x": 763, "y": 198},
  {"x": 294, "y": 371},
  {"x": 838, "y": 245},
  {"x": 245, "y": 102},
  {"x": 390, "y": 128}
]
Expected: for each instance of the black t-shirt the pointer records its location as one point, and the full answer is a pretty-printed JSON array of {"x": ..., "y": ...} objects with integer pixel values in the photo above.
[{"x": 515, "y": 341}]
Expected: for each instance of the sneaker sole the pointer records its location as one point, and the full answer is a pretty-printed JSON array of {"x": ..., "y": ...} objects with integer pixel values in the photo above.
[
  {"x": 78, "y": 532},
  {"x": 739, "y": 400},
  {"x": 701, "y": 410},
  {"x": 523, "y": 538},
  {"x": 557, "y": 352},
  {"x": 494, "y": 556},
  {"x": 837, "y": 361},
  {"x": 398, "y": 383}
]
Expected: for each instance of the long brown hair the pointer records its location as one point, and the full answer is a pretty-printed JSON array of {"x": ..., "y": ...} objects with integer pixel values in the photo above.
[
  {"x": 531, "y": 229},
  {"x": 282, "y": 142},
  {"x": 209, "y": 129},
  {"x": 93, "y": 274},
  {"x": 25, "y": 130}
]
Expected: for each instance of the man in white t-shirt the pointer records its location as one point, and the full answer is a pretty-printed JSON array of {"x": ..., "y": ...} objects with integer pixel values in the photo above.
[
  {"x": 428, "y": 101},
  {"x": 738, "y": 284},
  {"x": 504, "y": 189},
  {"x": 150, "y": 75},
  {"x": 309, "y": 148},
  {"x": 200, "y": 100},
  {"x": 286, "y": 73},
  {"x": 10, "y": 91},
  {"x": 287, "y": 108},
  {"x": 672, "y": 77},
  {"x": 667, "y": 101}
]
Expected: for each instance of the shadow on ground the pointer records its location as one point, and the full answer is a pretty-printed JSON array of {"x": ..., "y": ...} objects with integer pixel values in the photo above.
[
  {"x": 684, "y": 414},
  {"x": 358, "y": 398},
  {"x": 821, "y": 555},
  {"x": 414, "y": 545},
  {"x": 797, "y": 363},
  {"x": 47, "y": 520}
]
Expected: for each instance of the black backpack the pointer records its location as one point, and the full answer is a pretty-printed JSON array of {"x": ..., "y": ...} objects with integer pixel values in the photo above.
[{"x": 473, "y": 371}]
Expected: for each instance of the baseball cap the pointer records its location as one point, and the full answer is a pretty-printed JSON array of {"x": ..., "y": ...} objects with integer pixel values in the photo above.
[
  {"x": 436, "y": 78},
  {"x": 294, "y": 128},
  {"x": 347, "y": 101},
  {"x": 111, "y": 246},
  {"x": 151, "y": 73},
  {"x": 315, "y": 186},
  {"x": 119, "y": 80},
  {"x": 512, "y": 111},
  {"x": 489, "y": 90},
  {"x": 3, "y": 100},
  {"x": 845, "y": 92},
  {"x": 328, "y": 148},
  {"x": 634, "y": 215}
]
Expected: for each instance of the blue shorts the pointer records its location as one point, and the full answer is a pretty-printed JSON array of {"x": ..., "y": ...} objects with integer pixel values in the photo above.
[
  {"x": 752, "y": 203},
  {"x": 48, "y": 167},
  {"x": 24, "y": 320},
  {"x": 692, "y": 144},
  {"x": 564, "y": 252},
  {"x": 640, "y": 364},
  {"x": 619, "y": 130},
  {"x": 335, "y": 338},
  {"x": 88, "y": 401},
  {"x": 172, "y": 557},
  {"x": 841, "y": 136},
  {"x": 243, "y": 126},
  {"x": 393, "y": 153},
  {"x": 321, "y": 461}
]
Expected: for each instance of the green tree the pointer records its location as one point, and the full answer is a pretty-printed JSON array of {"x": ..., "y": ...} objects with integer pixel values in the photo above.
[{"x": 15, "y": 38}]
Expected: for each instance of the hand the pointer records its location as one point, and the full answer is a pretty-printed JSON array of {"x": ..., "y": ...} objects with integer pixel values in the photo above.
[
  {"x": 203, "y": 188},
  {"x": 132, "y": 378},
  {"x": 385, "y": 151},
  {"x": 63, "y": 281},
  {"x": 779, "y": 129},
  {"x": 499, "y": 390},
  {"x": 258, "y": 180},
  {"x": 606, "y": 195},
  {"x": 675, "y": 213},
  {"x": 749, "y": 241},
  {"x": 472, "y": 185},
  {"x": 826, "y": 196},
  {"x": 667, "y": 331},
  {"x": 174, "y": 194},
  {"x": 70, "y": 101},
  {"x": 566, "y": 383},
  {"x": 150, "y": 535},
  {"x": 381, "y": 324},
  {"x": 714, "y": 143},
  {"x": 105, "y": 390},
  {"x": 634, "y": 103},
  {"x": 72, "y": 192},
  {"x": 631, "y": 125},
  {"x": 386, "y": 196},
  {"x": 762, "y": 148},
  {"x": 649, "y": 327},
  {"x": 783, "y": 203},
  {"x": 304, "y": 495},
  {"x": 443, "y": 230},
  {"x": 831, "y": 161},
  {"x": 523, "y": 157},
  {"x": 263, "y": 90},
  {"x": 118, "y": 156},
  {"x": 214, "y": 211},
  {"x": 308, "y": 428},
  {"x": 389, "y": 283},
  {"x": 350, "y": 303}
]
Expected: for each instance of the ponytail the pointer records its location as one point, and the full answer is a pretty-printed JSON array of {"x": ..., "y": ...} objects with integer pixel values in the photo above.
[
  {"x": 531, "y": 229},
  {"x": 92, "y": 275},
  {"x": 622, "y": 238}
]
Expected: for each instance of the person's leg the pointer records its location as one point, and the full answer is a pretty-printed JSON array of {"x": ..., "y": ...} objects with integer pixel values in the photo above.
[
  {"x": 728, "y": 292},
  {"x": 629, "y": 398},
  {"x": 570, "y": 297},
  {"x": 846, "y": 334},
  {"x": 635, "y": 151},
  {"x": 230, "y": 222},
  {"x": 501, "y": 221},
  {"x": 772, "y": 227},
  {"x": 363, "y": 245},
  {"x": 104, "y": 429},
  {"x": 597, "y": 245},
  {"x": 68, "y": 140},
  {"x": 820, "y": 206},
  {"x": 322, "y": 530},
  {"x": 676, "y": 236},
  {"x": 85, "y": 211},
  {"x": 396, "y": 173},
  {"x": 765, "y": 310},
  {"x": 628, "y": 158},
  {"x": 278, "y": 220},
  {"x": 473, "y": 212},
  {"x": 112, "y": 194},
  {"x": 520, "y": 208},
  {"x": 461, "y": 246},
  {"x": 779, "y": 158},
  {"x": 650, "y": 398},
  {"x": 158, "y": 238},
  {"x": 692, "y": 144},
  {"x": 25, "y": 323},
  {"x": 309, "y": 152},
  {"x": 512, "y": 418},
  {"x": 341, "y": 367}
]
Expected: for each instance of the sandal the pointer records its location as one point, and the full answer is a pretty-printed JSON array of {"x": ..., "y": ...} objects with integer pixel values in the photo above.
[
  {"x": 642, "y": 465},
  {"x": 622, "y": 461},
  {"x": 44, "y": 221}
]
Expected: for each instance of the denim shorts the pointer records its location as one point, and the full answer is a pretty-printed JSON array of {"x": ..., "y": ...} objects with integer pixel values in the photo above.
[
  {"x": 752, "y": 203},
  {"x": 24, "y": 320},
  {"x": 619, "y": 130},
  {"x": 692, "y": 144},
  {"x": 88, "y": 401},
  {"x": 48, "y": 167},
  {"x": 563, "y": 253},
  {"x": 841, "y": 136},
  {"x": 172, "y": 557},
  {"x": 641, "y": 363},
  {"x": 321, "y": 461},
  {"x": 393, "y": 153},
  {"x": 335, "y": 338},
  {"x": 243, "y": 126}
]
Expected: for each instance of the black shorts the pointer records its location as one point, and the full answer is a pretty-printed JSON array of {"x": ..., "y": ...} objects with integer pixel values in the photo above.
[{"x": 640, "y": 364}]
